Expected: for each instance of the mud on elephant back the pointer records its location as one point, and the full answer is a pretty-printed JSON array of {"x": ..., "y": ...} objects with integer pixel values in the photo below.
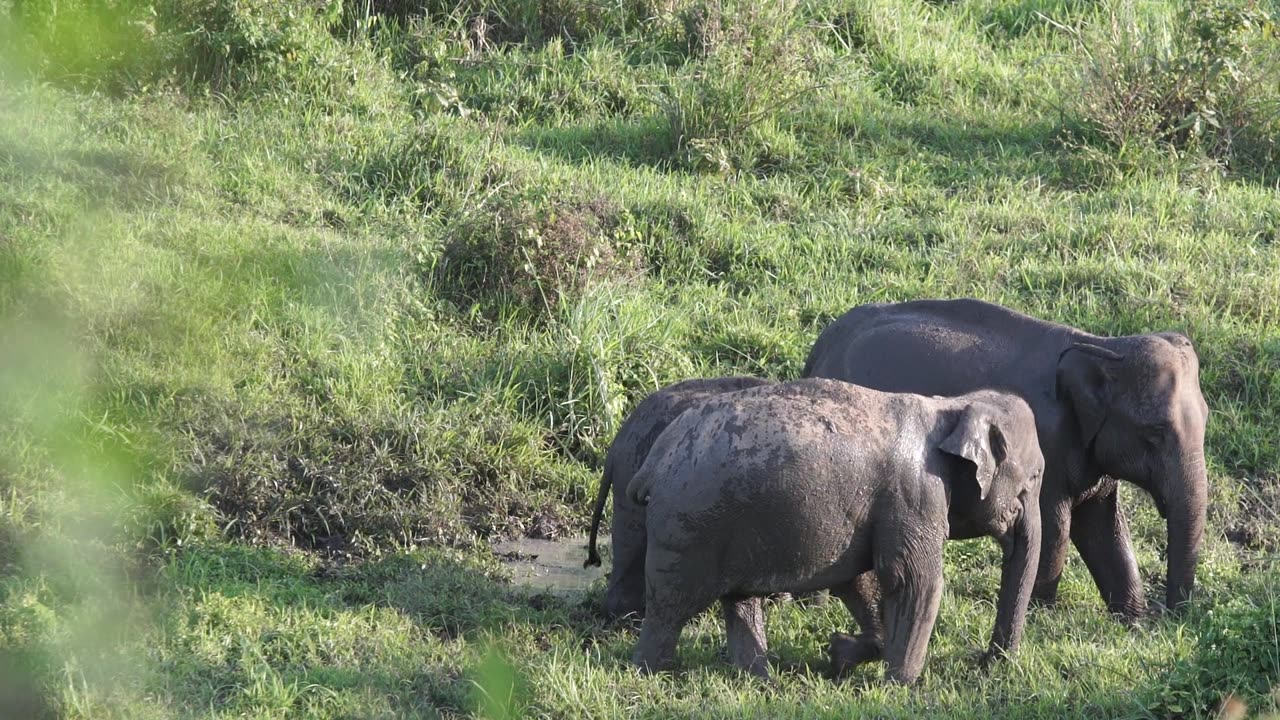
[
  {"x": 1105, "y": 407},
  {"x": 625, "y": 593}
]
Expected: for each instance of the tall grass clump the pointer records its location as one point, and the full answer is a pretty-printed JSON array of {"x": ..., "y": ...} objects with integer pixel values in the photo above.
[
  {"x": 755, "y": 61},
  {"x": 224, "y": 41},
  {"x": 532, "y": 253},
  {"x": 493, "y": 23},
  {"x": 84, "y": 43},
  {"x": 1199, "y": 77}
]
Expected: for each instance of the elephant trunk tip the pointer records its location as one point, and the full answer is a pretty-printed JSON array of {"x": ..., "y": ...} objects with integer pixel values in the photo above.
[{"x": 593, "y": 558}]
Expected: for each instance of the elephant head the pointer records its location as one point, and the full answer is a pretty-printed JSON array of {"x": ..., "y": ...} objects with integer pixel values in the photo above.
[
  {"x": 1138, "y": 408},
  {"x": 996, "y": 436}
]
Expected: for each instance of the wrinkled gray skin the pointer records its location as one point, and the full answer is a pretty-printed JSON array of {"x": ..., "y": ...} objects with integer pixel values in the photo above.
[
  {"x": 625, "y": 594},
  {"x": 807, "y": 485},
  {"x": 1123, "y": 407}
]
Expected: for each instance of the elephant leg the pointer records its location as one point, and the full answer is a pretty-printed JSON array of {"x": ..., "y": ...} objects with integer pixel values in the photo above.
[
  {"x": 912, "y": 592},
  {"x": 659, "y": 634},
  {"x": 862, "y": 598},
  {"x": 672, "y": 599},
  {"x": 1100, "y": 533},
  {"x": 625, "y": 594},
  {"x": 660, "y": 631},
  {"x": 744, "y": 630},
  {"x": 1055, "y": 523}
]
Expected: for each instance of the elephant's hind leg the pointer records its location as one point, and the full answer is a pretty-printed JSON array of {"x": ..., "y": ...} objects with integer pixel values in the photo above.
[
  {"x": 1100, "y": 533},
  {"x": 669, "y": 605},
  {"x": 862, "y": 598},
  {"x": 744, "y": 630}
]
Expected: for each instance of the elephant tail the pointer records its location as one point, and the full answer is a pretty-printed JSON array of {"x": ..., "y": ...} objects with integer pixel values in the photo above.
[
  {"x": 602, "y": 495},
  {"x": 641, "y": 482}
]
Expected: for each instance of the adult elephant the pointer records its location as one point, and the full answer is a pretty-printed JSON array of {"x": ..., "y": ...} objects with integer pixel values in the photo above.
[{"x": 1105, "y": 407}]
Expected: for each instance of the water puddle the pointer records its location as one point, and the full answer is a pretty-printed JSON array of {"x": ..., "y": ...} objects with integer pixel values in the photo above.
[{"x": 554, "y": 566}]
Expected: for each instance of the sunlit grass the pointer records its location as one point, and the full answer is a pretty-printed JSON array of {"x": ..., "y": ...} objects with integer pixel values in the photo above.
[{"x": 254, "y": 444}]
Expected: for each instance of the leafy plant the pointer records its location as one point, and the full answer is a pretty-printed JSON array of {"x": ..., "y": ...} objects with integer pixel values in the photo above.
[
  {"x": 83, "y": 42},
  {"x": 1192, "y": 80},
  {"x": 757, "y": 61},
  {"x": 535, "y": 252},
  {"x": 1238, "y": 654}
]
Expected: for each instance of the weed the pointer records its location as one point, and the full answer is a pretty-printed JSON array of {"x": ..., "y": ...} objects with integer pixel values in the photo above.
[
  {"x": 1239, "y": 655},
  {"x": 535, "y": 253},
  {"x": 1194, "y": 79},
  {"x": 758, "y": 61}
]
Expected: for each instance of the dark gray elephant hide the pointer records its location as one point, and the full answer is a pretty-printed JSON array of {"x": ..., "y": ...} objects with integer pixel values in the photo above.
[
  {"x": 1105, "y": 407},
  {"x": 625, "y": 593}
]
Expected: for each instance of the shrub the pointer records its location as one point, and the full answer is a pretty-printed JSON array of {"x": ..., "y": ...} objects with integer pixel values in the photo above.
[
  {"x": 1193, "y": 81},
  {"x": 82, "y": 42},
  {"x": 534, "y": 254},
  {"x": 122, "y": 43},
  {"x": 756, "y": 61},
  {"x": 221, "y": 41},
  {"x": 492, "y": 22}
]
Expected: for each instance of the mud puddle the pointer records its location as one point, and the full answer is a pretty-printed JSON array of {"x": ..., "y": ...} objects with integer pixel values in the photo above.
[{"x": 551, "y": 565}]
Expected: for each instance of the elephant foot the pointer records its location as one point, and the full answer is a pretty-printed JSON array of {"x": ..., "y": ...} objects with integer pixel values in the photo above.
[
  {"x": 847, "y": 652},
  {"x": 1045, "y": 595},
  {"x": 1131, "y": 613},
  {"x": 758, "y": 668},
  {"x": 646, "y": 667},
  {"x": 991, "y": 657},
  {"x": 628, "y": 622}
]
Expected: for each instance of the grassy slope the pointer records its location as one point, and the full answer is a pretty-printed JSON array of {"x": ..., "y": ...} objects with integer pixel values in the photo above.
[{"x": 229, "y": 330}]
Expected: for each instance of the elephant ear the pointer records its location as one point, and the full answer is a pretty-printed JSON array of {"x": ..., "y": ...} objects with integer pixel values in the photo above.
[
  {"x": 980, "y": 441},
  {"x": 1083, "y": 382}
]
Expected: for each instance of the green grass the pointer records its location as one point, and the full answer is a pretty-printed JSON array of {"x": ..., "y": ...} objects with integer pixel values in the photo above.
[{"x": 300, "y": 311}]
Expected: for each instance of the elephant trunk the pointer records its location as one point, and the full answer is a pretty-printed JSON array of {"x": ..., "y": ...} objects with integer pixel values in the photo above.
[
  {"x": 1186, "y": 517},
  {"x": 1017, "y": 576}
]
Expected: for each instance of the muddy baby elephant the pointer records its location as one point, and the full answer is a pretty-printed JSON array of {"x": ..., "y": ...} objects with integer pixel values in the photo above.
[
  {"x": 805, "y": 485},
  {"x": 625, "y": 593}
]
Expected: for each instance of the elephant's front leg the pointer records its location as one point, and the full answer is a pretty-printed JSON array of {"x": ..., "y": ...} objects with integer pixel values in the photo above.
[
  {"x": 1100, "y": 533},
  {"x": 744, "y": 631},
  {"x": 1055, "y": 523},
  {"x": 862, "y": 598},
  {"x": 912, "y": 590}
]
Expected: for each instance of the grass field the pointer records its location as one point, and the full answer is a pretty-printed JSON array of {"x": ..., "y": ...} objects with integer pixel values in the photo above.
[{"x": 303, "y": 304}]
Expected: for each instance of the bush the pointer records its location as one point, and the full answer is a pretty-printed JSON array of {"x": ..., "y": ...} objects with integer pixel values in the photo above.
[
  {"x": 496, "y": 22},
  {"x": 83, "y": 42},
  {"x": 127, "y": 43},
  {"x": 534, "y": 254},
  {"x": 221, "y": 41},
  {"x": 1191, "y": 82},
  {"x": 756, "y": 61}
]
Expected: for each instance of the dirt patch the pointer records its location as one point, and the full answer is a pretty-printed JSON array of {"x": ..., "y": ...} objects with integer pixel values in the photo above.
[{"x": 1255, "y": 526}]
